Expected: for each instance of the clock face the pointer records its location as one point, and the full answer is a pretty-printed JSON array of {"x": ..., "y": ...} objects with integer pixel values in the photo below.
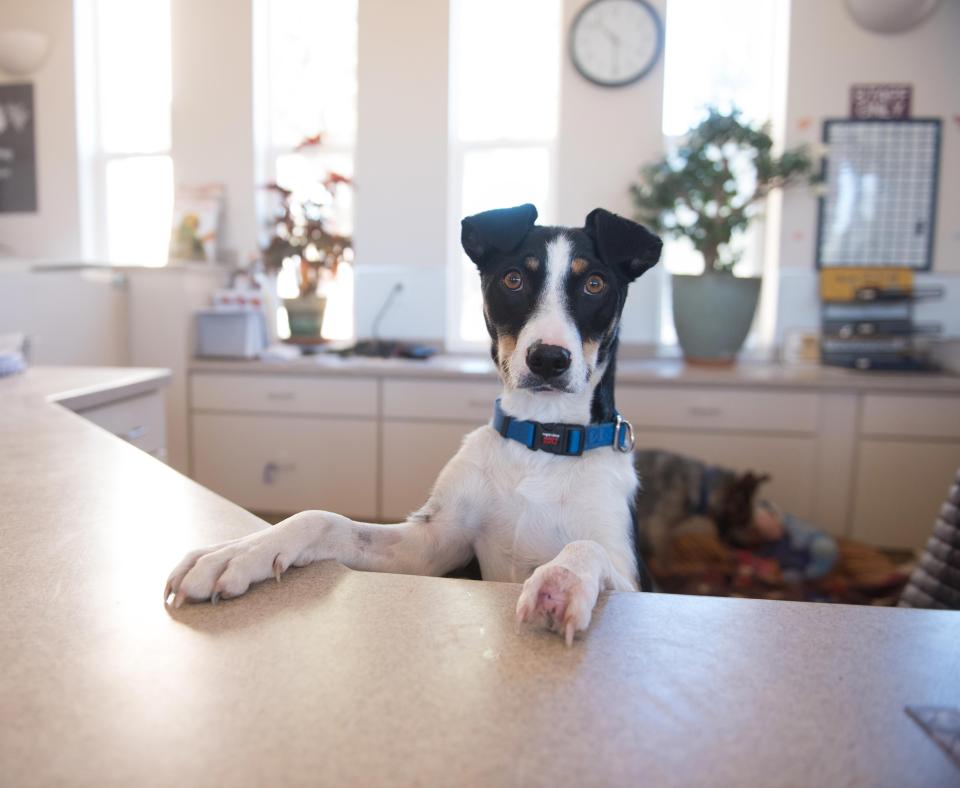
[{"x": 616, "y": 42}]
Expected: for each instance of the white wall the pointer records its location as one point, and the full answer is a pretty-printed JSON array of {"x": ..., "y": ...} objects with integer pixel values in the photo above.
[
  {"x": 212, "y": 112},
  {"x": 828, "y": 53},
  {"x": 401, "y": 162},
  {"x": 74, "y": 316},
  {"x": 54, "y": 230}
]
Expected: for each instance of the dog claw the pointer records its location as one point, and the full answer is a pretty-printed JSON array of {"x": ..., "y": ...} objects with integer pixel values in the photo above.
[
  {"x": 167, "y": 590},
  {"x": 277, "y": 568},
  {"x": 568, "y": 635},
  {"x": 214, "y": 597},
  {"x": 178, "y": 599}
]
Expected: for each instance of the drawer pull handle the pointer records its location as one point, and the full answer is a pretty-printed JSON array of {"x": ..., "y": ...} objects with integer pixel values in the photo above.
[
  {"x": 280, "y": 395},
  {"x": 271, "y": 469},
  {"x": 133, "y": 434},
  {"x": 704, "y": 410}
]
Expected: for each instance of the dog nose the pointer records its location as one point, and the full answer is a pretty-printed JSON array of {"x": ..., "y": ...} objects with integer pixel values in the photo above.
[{"x": 548, "y": 361}]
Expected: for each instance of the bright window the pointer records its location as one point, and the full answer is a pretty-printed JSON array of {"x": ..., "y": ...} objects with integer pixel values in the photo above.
[
  {"x": 309, "y": 90},
  {"x": 123, "y": 63},
  {"x": 726, "y": 53},
  {"x": 502, "y": 130}
]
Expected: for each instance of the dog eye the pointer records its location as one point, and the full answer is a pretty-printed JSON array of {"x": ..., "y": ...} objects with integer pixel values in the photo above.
[
  {"x": 513, "y": 280},
  {"x": 594, "y": 284}
]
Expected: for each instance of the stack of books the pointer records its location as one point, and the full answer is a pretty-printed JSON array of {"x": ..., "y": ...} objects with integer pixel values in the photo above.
[{"x": 867, "y": 319}]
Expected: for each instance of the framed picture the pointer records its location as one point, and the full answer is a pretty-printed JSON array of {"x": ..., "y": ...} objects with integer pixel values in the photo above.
[
  {"x": 885, "y": 102},
  {"x": 197, "y": 213},
  {"x": 18, "y": 158}
]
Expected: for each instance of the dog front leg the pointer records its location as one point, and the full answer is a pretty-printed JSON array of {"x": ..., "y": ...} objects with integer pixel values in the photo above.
[
  {"x": 563, "y": 592},
  {"x": 429, "y": 544}
]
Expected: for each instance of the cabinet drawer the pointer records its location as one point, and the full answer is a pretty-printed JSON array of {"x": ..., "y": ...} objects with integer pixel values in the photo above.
[
  {"x": 719, "y": 409},
  {"x": 467, "y": 402},
  {"x": 923, "y": 417},
  {"x": 284, "y": 394},
  {"x": 138, "y": 420},
  {"x": 408, "y": 477},
  {"x": 285, "y": 465}
]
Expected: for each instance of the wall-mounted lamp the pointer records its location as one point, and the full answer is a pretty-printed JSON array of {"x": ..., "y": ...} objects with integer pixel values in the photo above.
[
  {"x": 22, "y": 52},
  {"x": 890, "y": 16}
]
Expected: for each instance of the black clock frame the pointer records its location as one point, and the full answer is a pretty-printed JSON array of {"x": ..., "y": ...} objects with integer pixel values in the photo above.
[{"x": 658, "y": 23}]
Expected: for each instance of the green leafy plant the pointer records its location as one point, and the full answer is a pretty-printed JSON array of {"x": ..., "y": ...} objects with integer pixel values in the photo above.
[{"x": 710, "y": 187}]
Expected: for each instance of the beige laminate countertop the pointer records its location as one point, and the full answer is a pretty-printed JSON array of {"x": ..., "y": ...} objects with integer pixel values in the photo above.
[
  {"x": 662, "y": 372},
  {"x": 338, "y": 677}
]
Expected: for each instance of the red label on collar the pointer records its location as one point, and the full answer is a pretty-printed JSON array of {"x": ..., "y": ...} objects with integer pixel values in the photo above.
[{"x": 550, "y": 438}]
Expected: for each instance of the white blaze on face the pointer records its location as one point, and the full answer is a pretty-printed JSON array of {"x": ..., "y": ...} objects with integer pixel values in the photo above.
[{"x": 550, "y": 322}]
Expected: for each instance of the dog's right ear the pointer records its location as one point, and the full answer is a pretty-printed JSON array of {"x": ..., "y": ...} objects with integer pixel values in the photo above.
[{"x": 500, "y": 230}]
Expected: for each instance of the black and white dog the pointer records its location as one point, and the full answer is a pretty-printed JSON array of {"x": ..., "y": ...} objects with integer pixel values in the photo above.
[{"x": 545, "y": 494}]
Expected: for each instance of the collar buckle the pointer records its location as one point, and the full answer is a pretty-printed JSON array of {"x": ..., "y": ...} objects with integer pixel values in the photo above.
[
  {"x": 631, "y": 439},
  {"x": 558, "y": 439}
]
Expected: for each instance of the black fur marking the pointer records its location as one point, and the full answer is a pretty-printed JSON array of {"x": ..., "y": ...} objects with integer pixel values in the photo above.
[
  {"x": 423, "y": 516},
  {"x": 364, "y": 539}
]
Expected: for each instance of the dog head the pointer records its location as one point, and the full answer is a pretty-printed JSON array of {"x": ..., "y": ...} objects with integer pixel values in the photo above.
[{"x": 553, "y": 296}]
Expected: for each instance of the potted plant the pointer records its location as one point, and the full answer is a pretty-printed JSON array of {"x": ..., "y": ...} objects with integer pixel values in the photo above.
[
  {"x": 301, "y": 230},
  {"x": 709, "y": 190}
]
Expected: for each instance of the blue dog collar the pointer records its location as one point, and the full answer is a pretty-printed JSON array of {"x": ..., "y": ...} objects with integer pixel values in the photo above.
[{"x": 569, "y": 440}]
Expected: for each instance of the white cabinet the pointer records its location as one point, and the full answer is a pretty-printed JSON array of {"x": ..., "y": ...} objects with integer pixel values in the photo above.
[
  {"x": 412, "y": 458},
  {"x": 870, "y": 464},
  {"x": 284, "y": 464},
  {"x": 283, "y": 443},
  {"x": 139, "y": 420},
  {"x": 908, "y": 453},
  {"x": 424, "y": 423}
]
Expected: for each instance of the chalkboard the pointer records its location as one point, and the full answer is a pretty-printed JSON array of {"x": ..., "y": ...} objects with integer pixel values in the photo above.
[
  {"x": 880, "y": 201},
  {"x": 18, "y": 161}
]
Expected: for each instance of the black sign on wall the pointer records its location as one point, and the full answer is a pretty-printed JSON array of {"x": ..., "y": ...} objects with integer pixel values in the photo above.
[{"x": 18, "y": 157}]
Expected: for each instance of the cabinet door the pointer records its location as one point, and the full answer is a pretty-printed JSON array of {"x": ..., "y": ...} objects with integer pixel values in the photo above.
[
  {"x": 413, "y": 455},
  {"x": 138, "y": 420},
  {"x": 287, "y": 464},
  {"x": 900, "y": 486},
  {"x": 790, "y": 460}
]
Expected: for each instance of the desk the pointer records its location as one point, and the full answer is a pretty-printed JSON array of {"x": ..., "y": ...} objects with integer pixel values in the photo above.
[{"x": 337, "y": 677}]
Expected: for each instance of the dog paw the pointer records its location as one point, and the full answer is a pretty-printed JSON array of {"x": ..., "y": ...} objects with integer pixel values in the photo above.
[
  {"x": 227, "y": 570},
  {"x": 559, "y": 598}
]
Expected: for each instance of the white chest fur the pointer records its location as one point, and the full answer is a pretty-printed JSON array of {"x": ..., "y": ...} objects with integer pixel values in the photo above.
[{"x": 526, "y": 505}]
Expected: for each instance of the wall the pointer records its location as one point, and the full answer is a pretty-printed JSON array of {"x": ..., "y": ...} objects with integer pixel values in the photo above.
[
  {"x": 401, "y": 164},
  {"x": 74, "y": 316},
  {"x": 212, "y": 112},
  {"x": 52, "y": 232}
]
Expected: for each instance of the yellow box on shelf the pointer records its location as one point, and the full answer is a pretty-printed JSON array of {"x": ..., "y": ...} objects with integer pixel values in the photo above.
[{"x": 849, "y": 284}]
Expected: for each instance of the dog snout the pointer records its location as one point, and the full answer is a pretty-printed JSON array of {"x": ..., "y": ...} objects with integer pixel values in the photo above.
[{"x": 548, "y": 361}]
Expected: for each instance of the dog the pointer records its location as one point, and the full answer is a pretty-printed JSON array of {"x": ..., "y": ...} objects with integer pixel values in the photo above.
[
  {"x": 544, "y": 494},
  {"x": 677, "y": 488}
]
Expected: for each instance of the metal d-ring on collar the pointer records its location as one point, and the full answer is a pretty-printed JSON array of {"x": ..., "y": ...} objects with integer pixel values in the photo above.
[{"x": 631, "y": 437}]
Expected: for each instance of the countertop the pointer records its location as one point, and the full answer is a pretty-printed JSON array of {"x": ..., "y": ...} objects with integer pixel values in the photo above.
[
  {"x": 339, "y": 677},
  {"x": 660, "y": 372}
]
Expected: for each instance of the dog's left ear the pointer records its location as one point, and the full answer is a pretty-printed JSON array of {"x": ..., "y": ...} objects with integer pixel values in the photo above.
[
  {"x": 623, "y": 244},
  {"x": 500, "y": 230}
]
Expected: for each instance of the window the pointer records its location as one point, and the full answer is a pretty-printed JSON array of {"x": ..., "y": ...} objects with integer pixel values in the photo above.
[
  {"x": 309, "y": 90},
  {"x": 124, "y": 88},
  {"x": 727, "y": 53},
  {"x": 502, "y": 132}
]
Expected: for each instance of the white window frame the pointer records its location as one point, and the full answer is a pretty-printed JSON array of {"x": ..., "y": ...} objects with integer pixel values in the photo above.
[
  {"x": 767, "y": 224},
  {"x": 94, "y": 160}
]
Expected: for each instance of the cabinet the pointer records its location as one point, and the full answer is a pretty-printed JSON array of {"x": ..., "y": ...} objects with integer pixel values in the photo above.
[
  {"x": 139, "y": 420},
  {"x": 284, "y": 443},
  {"x": 870, "y": 464},
  {"x": 286, "y": 464}
]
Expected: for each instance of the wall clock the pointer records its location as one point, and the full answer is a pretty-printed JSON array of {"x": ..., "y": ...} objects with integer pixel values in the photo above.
[{"x": 616, "y": 42}]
